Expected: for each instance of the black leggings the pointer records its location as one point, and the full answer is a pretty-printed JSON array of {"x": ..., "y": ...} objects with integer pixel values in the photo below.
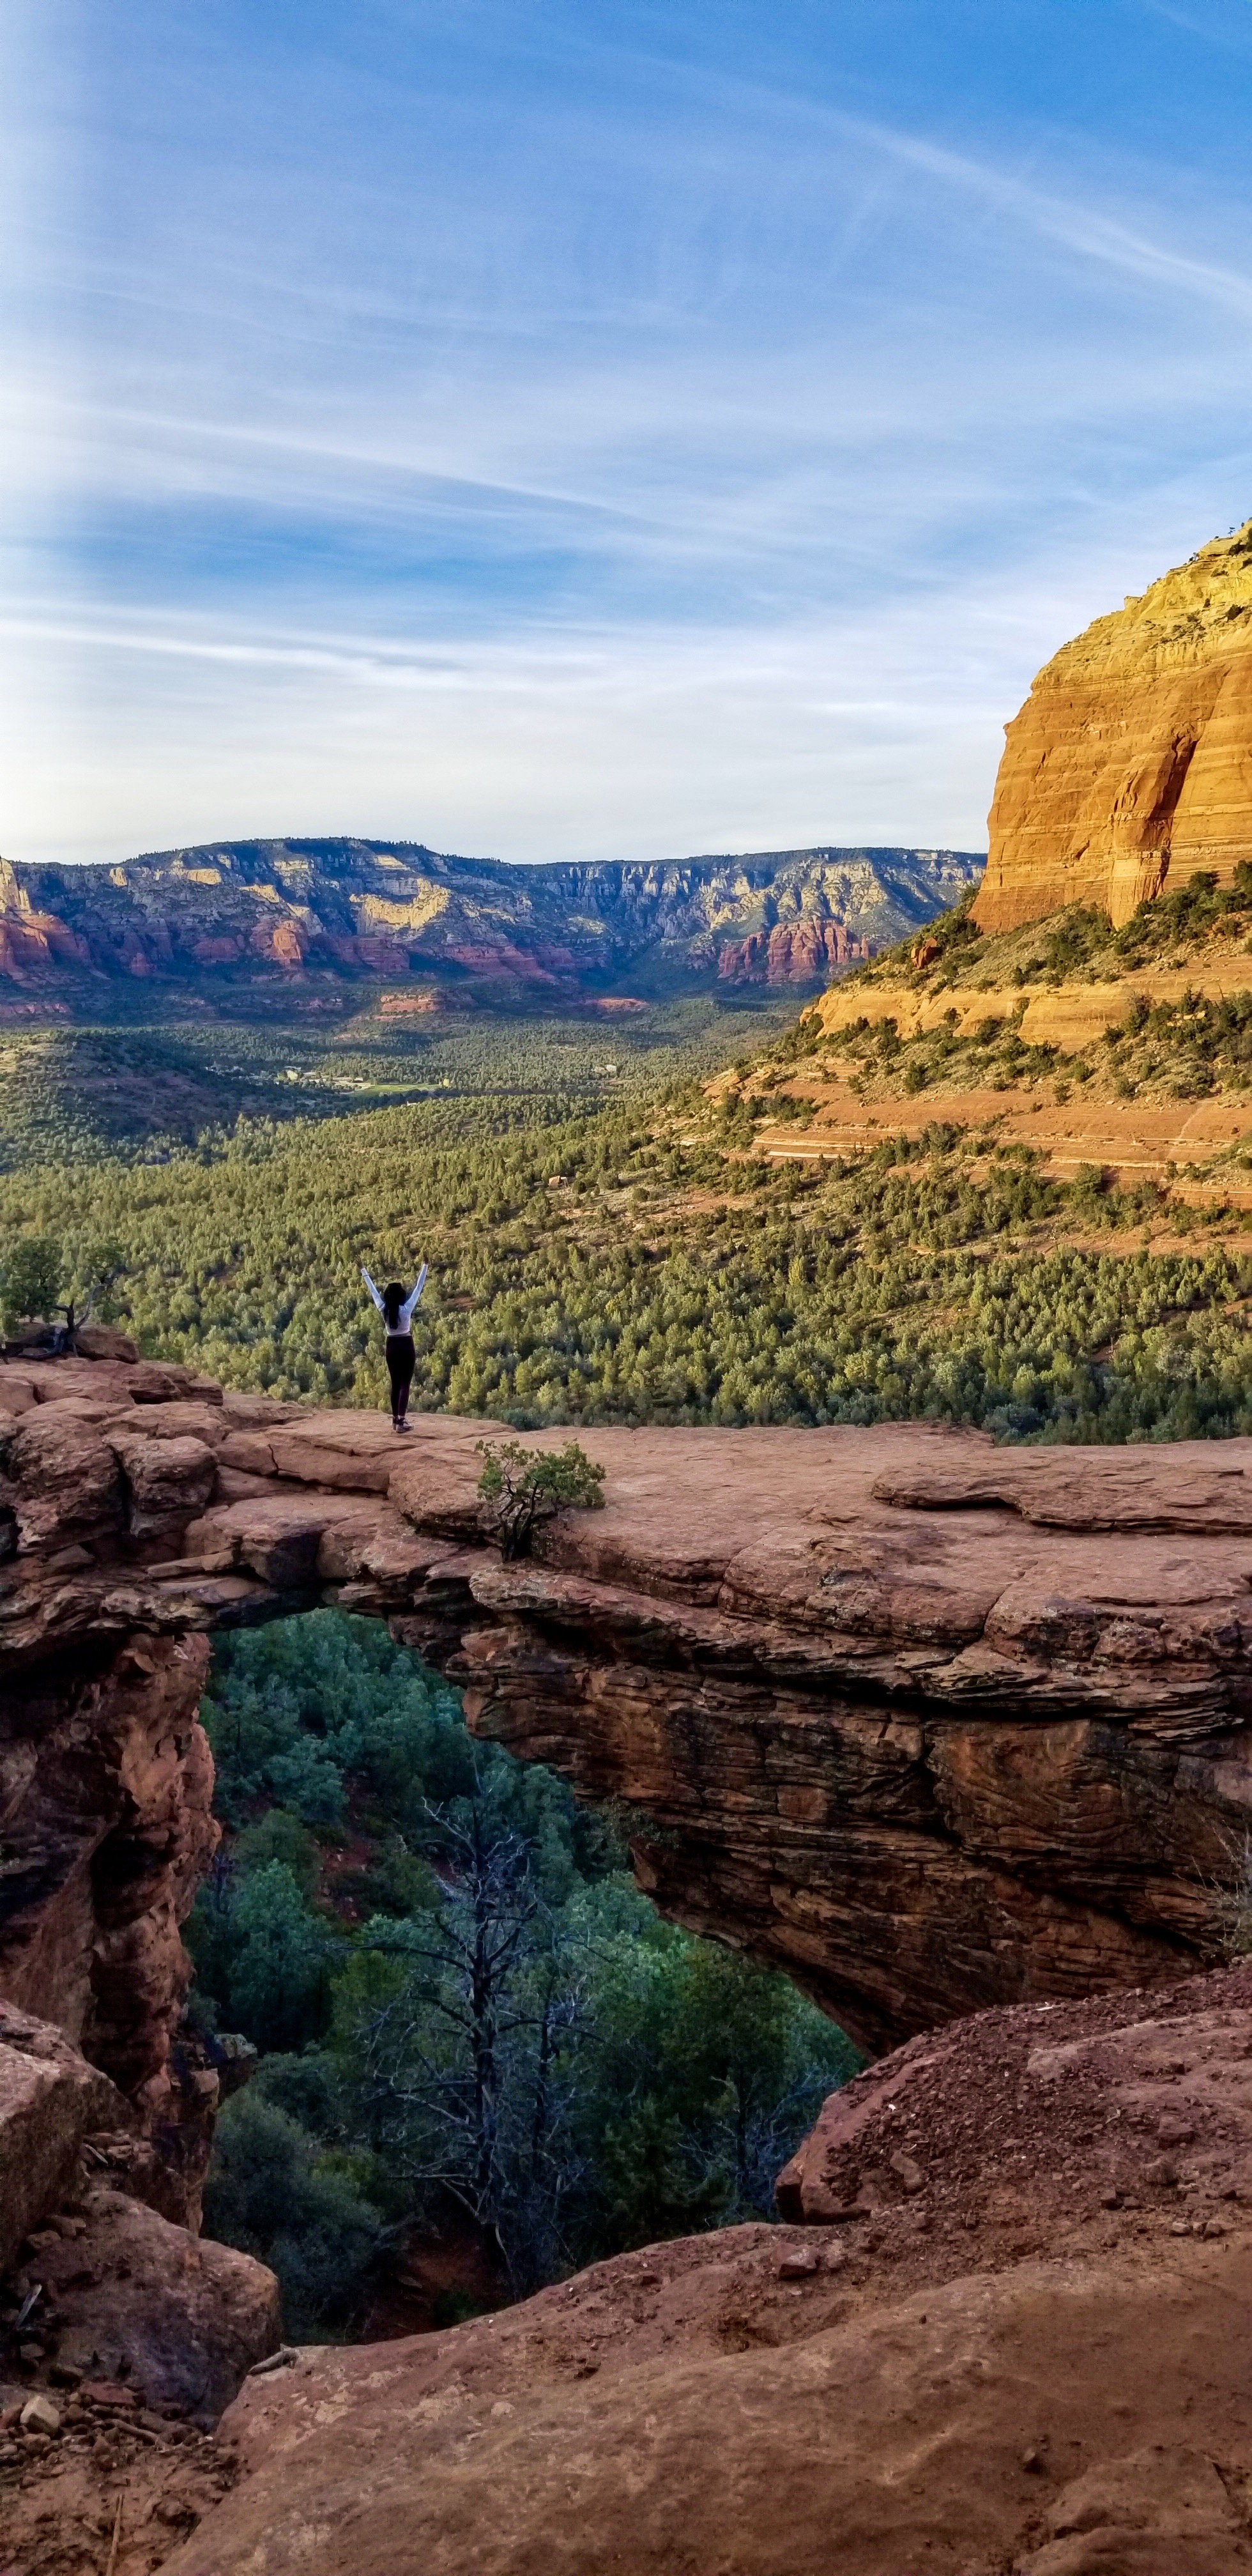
[{"x": 400, "y": 1358}]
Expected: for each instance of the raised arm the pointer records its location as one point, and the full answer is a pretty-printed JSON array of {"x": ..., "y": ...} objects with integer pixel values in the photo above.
[
  {"x": 411, "y": 1304},
  {"x": 371, "y": 1287}
]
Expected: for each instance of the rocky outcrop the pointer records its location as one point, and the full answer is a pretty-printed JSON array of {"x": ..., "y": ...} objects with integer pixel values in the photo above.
[
  {"x": 105, "y": 1774},
  {"x": 49, "y": 2098},
  {"x": 934, "y": 1725},
  {"x": 107, "y": 1840},
  {"x": 290, "y": 914},
  {"x": 1013, "y": 2337},
  {"x": 1066, "y": 1015},
  {"x": 791, "y": 953},
  {"x": 1130, "y": 765},
  {"x": 1133, "y": 2101},
  {"x": 923, "y": 1738},
  {"x": 175, "y": 2317},
  {"x": 928, "y": 1724},
  {"x": 106, "y": 2306}
]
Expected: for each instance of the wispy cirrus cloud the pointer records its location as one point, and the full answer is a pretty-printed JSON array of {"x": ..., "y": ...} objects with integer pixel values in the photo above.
[
  {"x": 1227, "y": 23},
  {"x": 663, "y": 401}
]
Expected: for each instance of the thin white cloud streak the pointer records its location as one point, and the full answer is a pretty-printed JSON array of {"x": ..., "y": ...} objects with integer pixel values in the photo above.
[
  {"x": 1103, "y": 238},
  {"x": 597, "y": 744},
  {"x": 380, "y": 663},
  {"x": 1078, "y": 222},
  {"x": 879, "y": 382},
  {"x": 1232, "y": 38}
]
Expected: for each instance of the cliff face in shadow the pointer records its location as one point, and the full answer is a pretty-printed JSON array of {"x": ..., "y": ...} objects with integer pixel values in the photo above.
[{"x": 1130, "y": 765}]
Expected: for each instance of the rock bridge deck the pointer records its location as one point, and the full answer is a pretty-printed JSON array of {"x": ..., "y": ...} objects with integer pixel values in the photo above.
[{"x": 930, "y": 1724}]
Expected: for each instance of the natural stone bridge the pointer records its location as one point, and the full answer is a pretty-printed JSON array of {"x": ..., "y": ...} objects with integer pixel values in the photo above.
[{"x": 929, "y": 1724}]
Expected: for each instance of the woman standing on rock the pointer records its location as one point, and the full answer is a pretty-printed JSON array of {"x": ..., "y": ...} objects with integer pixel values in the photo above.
[{"x": 397, "y": 1312}]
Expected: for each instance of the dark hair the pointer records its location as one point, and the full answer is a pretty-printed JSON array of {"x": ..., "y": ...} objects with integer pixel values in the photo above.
[{"x": 393, "y": 1299}]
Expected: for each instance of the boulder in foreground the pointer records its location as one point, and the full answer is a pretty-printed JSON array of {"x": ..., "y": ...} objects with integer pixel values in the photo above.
[
  {"x": 1017, "y": 2343},
  {"x": 49, "y": 2099}
]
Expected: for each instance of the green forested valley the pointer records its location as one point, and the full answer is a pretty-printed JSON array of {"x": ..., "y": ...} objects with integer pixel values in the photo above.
[
  {"x": 625, "y": 1256},
  {"x": 619, "y": 1230},
  {"x": 469, "y": 2017},
  {"x": 608, "y": 1243}
]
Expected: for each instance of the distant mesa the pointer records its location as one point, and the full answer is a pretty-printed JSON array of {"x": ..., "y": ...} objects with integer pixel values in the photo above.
[
  {"x": 1130, "y": 765},
  {"x": 1128, "y": 768},
  {"x": 314, "y": 915},
  {"x": 797, "y": 952},
  {"x": 408, "y": 1006}
]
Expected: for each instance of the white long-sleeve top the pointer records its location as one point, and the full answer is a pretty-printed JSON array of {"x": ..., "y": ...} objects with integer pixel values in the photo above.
[{"x": 409, "y": 1307}]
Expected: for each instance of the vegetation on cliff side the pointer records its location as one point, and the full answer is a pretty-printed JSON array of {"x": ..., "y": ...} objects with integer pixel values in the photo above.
[
  {"x": 1175, "y": 928},
  {"x": 607, "y": 1242},
  {"x": 470, "y": 2016},
  {"x": 1163, "y": 1049}
]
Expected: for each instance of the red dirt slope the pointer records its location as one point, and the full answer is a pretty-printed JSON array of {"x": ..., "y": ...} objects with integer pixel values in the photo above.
[{"x": 1021, "y": 2347}]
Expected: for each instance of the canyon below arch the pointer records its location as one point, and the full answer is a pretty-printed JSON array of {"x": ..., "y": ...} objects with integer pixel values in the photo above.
[{"x": 956, "y": 1734}]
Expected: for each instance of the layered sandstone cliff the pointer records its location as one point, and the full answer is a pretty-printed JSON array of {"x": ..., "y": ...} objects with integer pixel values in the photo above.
[
  {"x": 929, "y": 1724},
  {"x": 231, "y": 915},
  {"x": 1130, "y": 764}
]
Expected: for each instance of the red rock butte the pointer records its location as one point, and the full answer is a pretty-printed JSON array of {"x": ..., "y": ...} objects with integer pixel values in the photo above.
[{"x": 1130, "y": 766}]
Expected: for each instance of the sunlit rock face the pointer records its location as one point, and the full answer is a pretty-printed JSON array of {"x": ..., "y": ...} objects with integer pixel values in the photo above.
[
  {"x": 312, "y": 917},
  {"x": 1130, "y": 766}
]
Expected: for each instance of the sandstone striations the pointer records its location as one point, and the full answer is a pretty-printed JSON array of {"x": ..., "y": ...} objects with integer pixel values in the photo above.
[
  {"x": 929, "y": 1724},
  {"x": 236, "y": 916},
  {"x": 802, "y": 952},
  {"x": 1131, "y": 762},
  {"x": 1064, "y": 1014}
]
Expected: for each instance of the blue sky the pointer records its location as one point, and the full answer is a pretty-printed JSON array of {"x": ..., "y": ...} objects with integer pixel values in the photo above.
[{"x": 596, "y": 430}]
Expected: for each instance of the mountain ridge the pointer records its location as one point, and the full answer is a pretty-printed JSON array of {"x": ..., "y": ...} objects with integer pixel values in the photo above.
[{"x": 226, "y": 915}]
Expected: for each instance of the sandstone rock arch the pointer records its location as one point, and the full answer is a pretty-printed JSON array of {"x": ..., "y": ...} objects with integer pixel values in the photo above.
[{"x": 931, "y": 1725}]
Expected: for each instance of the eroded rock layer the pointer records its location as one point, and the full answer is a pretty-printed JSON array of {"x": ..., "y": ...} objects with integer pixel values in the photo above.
[
  {"x": 1130, "y": 765},
  {"x": 930, "y": 1724},
  {"x": 287, "y": 916}
]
